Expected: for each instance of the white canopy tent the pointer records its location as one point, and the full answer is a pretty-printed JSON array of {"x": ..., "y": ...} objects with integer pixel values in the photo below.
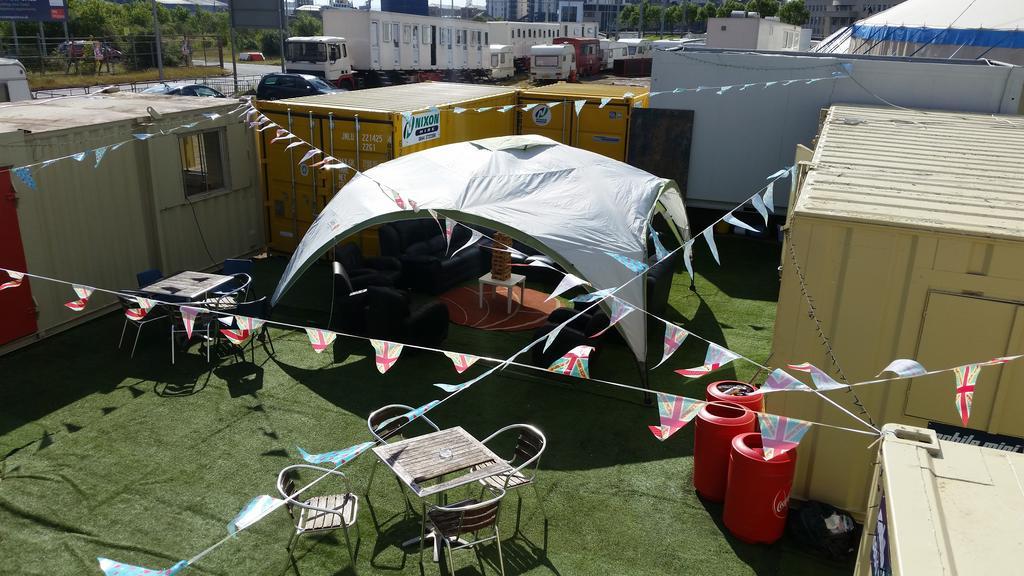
[
  {"x": 967, "y": 29},
  {"x": 573, "y": 205}
]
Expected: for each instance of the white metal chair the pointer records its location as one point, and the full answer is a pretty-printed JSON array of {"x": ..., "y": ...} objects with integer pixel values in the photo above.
[
  {"x": 381, "y": 415},
  {"x": 530, "y": 446},
  {"x": 449, "y": 523},
  {"x": 155, "y": 314},
  {"x": 320, "y": 513}
]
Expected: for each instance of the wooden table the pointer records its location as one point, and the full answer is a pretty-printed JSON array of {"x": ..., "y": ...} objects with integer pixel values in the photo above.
[
  {"x": 509, "y": 285},
  {"x": 188, "y": 285},
  {"x": 426, "y": 458}
]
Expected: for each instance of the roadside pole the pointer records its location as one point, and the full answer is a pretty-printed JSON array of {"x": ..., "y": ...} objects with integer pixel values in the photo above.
[{"x": 159, "y": 52}]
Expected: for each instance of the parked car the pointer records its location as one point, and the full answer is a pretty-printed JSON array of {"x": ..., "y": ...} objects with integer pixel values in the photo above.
[
  {"x": 184, "y": 90},
  {"x": 280, "y": 85}
]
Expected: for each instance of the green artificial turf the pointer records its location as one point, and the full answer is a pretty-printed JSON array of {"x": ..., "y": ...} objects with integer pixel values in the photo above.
[{"x": 145, "y": 462}]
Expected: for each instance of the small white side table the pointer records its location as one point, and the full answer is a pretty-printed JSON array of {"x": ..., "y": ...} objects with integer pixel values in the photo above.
[{"x": 509, "y": 284}]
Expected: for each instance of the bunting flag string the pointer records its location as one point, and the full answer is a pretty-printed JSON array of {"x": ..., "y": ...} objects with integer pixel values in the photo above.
[
  {"x": 574, "y": 363},
  {"x": 780, "y": 434},
  {"x": 253, "y": 512},
  {"x": 83, "y": 293},
  {"x": 674, "y": 336},
  {"x": 778, "y": 380},
  {"x": 462, "y": 361},
  {"x": 410, "y": 415},
  {"x": 966, "y": 380},
  {"x": 385, "y": 354},
  {"x": 568, "y": 282},
  {"x": 337, "y": 457},
  {"x": 675, "y": 412},
  {"x": 822, "y": 381},
  {"x": 715, "y": 358},
  {"x": 620, "y": 310},
  {"x": 112, "y": 568},
  {"x": 320, "y": 339},
  {"x": 733, "y": 220}
]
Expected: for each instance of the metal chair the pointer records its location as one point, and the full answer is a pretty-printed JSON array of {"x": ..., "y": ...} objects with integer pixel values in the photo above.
[
  {"x": 529, "y": 448},
  {"x": 374, "y": 420},
  {"x": 320, "y": 513},
  {"x": 156, "y": 313},
  {"x": 203, "y": 323},
  {"x": 147, "y": 277},
  {"x": 448, "y": 523},
  {"x": 241, "y": 272},
  {"x": 255, "y": 309}
]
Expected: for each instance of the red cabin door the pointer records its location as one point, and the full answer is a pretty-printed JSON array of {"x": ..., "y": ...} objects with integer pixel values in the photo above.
[{"x": 16, "y": 306}]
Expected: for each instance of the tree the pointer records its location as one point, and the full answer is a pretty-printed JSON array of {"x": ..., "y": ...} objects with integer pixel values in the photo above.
[
  {"x": 673, "y": 16},
  {"x": 765, "y": 8},
  {"x": 652, "y": 16},
  {"x": 629, "y": 16},
  {"x": 690, "y": 13},
  {"x": 726, "y": 9},
  {"x": 305, "y": 25},
  {"x": 706, "y": 12},
  {"x": 794, "y": 12}
]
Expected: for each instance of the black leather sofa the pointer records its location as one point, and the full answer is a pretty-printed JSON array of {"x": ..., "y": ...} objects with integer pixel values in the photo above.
[
  {"x": 390, "y": 316},
  {"x": 423, "y": 252},
  {"x": 357, "y": 267}
]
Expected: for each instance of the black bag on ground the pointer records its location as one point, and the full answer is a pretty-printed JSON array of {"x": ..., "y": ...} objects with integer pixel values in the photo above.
[{"x": 825, "y": 528}]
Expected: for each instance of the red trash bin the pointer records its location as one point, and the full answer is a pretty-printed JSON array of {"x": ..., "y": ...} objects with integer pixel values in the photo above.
[
  {"x": 716, "y": 426},
  {"x": 757, "y": 493},
  {"x": 736, "y": 392}
]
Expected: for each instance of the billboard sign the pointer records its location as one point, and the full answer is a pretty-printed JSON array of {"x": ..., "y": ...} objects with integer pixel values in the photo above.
[
  {"x": 255, "y": 13},
  {"x": 33, "y": 10}
]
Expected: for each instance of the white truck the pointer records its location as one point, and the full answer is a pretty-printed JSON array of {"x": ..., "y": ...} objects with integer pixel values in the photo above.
[
  {"x": 553, "y": 62},
  {"x": 13, "y": 81},
  {"x": 323, "y": 56}
]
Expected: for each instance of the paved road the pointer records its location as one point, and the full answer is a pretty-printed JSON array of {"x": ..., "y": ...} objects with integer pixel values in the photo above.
[{"x": 247, "y": 68}]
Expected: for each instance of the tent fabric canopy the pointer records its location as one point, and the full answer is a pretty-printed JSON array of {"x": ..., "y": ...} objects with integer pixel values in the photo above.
[{"x": 571, "y": 204}]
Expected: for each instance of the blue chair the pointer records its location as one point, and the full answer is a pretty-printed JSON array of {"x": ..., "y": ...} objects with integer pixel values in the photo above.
[
  {"x": 147, "y": 277},
  {"x": 241, "y": 270},
  {"x": 234, "y": 266}
]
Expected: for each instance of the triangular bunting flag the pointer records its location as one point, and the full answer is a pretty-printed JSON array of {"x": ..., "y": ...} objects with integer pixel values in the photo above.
[
  {"x": 253, "y": 512},
  {"x": 80, "y": 156},
  {"x": 294, "y": 144},
  {"x": 485, "y": 109},
  {"x": 709, "y": 237},
  {"x": 780, "y": 434},
  {"x": 822, "y": 381},
  {"x": 552, "y": 335},
  {"x": 320, "y": 339},
  {"x": 593, "y": 296},
  {"x": 410, "y": 415},
  {"x": 574, "y": 363},
  {"x": 660, "y": 252},
  {"x": 779, "y": 379},
  {"x": 281, "y": 137},
  {"x": 458, "y": 110},
  {"x": 188, "y": 318},
  {"x": 100, "y": 153},
  {"x": 738, "y": 223},
  {"x": 768, "y": 199},
  {"x": 619, "y": 311},
  {"x": 14, "y": 282},
  {"x": 309, "y": 155},
  {"x": 674, "y": 336},
  {"x": 688, "y": 257},
  {"x": 553, "y": 104},
  {"x": 473, "y": 239},
  {"x": 143, "y": 136},
  {"x": 145, "y": 305},
  {"x": 675, "y": 412},
  {"x": 398, "y": 200},
  {"x": 247, "y": 323},
  {"x": 267, "y": 126},
  {"x": 529, "y": 107},
  {"x": 568, "y": 282},
  {"x": 966, "y": 380},
  {"x": 338, "y": 457},
  {"x": 83, "y": 293},
  {"x": 237, "y": 336},
  {"x": 24, "y": 173},
  {"x": 604, "y": 101},
  {"x": 214, "y": 115},
  {"x": 504, "y": 109},
  {"x": 462, "y": 361},
  {"x": 386, "y": 354},
  {"x": 452, "y": 388},
  {"x": 113, "y": 568},
  {"x": 578, "y": 104},
  {"x": 635, "y": 266},
  {"x": 905, "y": 368},
  {"x": 715, "y": 358},
  {"x": 1000, "y": 360},
  {"x": 759, "y": 206},
  {"x": 723, "y": 90},
  {"x": 449, "y": 229}
]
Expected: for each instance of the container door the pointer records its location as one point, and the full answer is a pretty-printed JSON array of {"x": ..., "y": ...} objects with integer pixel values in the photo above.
[
  {"x": 433, "y": 46},
  {"x": 995, "y": 330},
  {"x": 294, "y": 195},
  {"x": 16, "y": 307},
  {"x": 375, "y": 45},
  {"x": 549, "y": 118},
  {"x": 416, "y": 46},
  {"x": 603, "y": 130}
]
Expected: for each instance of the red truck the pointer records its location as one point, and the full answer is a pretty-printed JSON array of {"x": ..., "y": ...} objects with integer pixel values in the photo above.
[{"x": 588, "y": 54}]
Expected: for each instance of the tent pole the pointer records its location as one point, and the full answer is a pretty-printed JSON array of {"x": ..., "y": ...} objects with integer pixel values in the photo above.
[{"x": 642, "y": 367}]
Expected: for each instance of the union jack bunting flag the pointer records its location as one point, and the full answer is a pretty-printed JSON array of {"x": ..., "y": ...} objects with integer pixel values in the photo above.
[
  {"x": 904, "y": 368},
  {"x": 387, "y": 354},
  {"x": 112, "y": 568},
  {"x": 398, "y": 201},
  {"x": 14, "y": 282},
  {"x": 675, "y": 412},
  {"x": 779, "y": 379},
  {"x": 966, "y": 379},
  {"x": 337, "y": 457},
  {"x": 83, "y": 293},
  {"x": 619, "y": 311},
  {"x": 320, "y": 339},
  {"x": 780, "y": 434},
  {"x": 256, "y": 509},
  {"x": 462, "y": 361},
  {"x": 410, "y": 415},
  {"x": 674, "y": 336},
  {"x": 145, "y": 305},
  {"x": 715, "y": 358},
  {"x": 635, "y": 266},
  {"x": 237, "y": 336},
  {"x": 188, "y": 318},
  {"x": 822, "y": 381},
  {"x": 574, "y": 363}
]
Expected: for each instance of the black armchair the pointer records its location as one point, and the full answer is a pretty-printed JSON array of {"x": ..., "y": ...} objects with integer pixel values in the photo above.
[
  {"x": 575, "y": 333},
  {"x": 357, "y": 266},
  {"x": 424, "y": 254},
  {"x": 389, "y": 316}
]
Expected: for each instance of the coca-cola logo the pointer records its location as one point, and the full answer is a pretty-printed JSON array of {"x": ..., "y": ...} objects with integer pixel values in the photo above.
[{"x": 780, "y": 504}]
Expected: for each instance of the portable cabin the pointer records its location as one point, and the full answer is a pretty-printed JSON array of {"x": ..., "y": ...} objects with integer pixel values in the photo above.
[
  {"x": 184, "y": 199},
  {"x": 13, "y": 81},
  {"x": 588, "y": 54},
  {"x": 552, "y": 62},
  {"x": 580, "y": 30},
  {"x": 521, "y": 36},
  {"x": 364, "y": 128},
  {"x": 610, "y": 51},
  {"x": 905, "y": 240},
  {"x": 604, "y": 130},
  {"x": 636, "y": 48},
  {"x": 502, "y": 62}
]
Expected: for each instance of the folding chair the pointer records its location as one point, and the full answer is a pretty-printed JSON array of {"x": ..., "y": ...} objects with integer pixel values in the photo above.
[
  {"x": 530, "y": 446},
  {"x": 375, "y": 419}
]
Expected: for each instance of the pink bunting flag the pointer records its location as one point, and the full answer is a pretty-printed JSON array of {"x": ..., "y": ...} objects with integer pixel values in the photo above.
[
  {"x": 674, "y": 336},
  {"x": 320, "y": 339},
  {"x": 822, "y": 381},
  {"x": 568, "y": 282},
  {"x": 715, "y": 358},
  {"x": 966, "y": 380},
  {"x": 574, "y": 363},
  {"x": 462, "y": 361},
  {"x": 83, "y": 293},
  {"x": 449, "y": 229},
  {"x": 188, "y": 318},
  {"x": 675, "y": 412},
  {"x": 113, "y": 568},
  {"x": 14, "y": 282},
  {"x": 780, "y": 434},
  {"x": 387, "y": 354},
  {"x": 145, "y": 305},
  {"x": 779, "y": 379},
  {"x": 399, "y": 201},
  {"x": 245, "y": 328},
  {"x": 1000, "y": 360},
  {"x": 619, "y": 311}
]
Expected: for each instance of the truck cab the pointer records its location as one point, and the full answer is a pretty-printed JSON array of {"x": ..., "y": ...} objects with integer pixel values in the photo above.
[
  {"x": 322, "y": 56},
  {"x": 552, "y": 62}
]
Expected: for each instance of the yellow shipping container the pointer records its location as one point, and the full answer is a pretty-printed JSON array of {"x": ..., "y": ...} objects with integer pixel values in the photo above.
[
  {"x": 905, "y": 232},
  {"x": 604, "y": 130},
  {"x": 364, "y": 128}
]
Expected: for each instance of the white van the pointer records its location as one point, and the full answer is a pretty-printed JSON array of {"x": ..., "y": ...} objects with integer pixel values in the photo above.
[
  {"x": 502, "y": 61},
  {"x": 553, "y": 62},
  {"x": 611, "y": 50},
  {"x": 636, "y": 48},
  {"x": 13, "y": 81}
]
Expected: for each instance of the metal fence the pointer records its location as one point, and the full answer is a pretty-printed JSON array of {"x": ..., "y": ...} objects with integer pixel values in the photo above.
[
  {"x": 225, "y": 84},
  {"x": 78, "y": 55}
]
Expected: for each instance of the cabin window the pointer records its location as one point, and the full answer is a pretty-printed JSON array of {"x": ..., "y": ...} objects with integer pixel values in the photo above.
[
  {"x": 394, "y": 33},
  {"x": 549, "y": 61},
  {"x": 502, "y": 57},
  {"x": 494, "y": 60},
  {"x": 387, "y": 32},
  {"x": 335, "y": 52},
  {"x": 202, "y": 161},
  {"x": 406, "y": 33},
  {"x": 425, "y": 34}
]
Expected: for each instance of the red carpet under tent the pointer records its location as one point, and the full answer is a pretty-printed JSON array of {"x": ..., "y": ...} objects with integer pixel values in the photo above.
[{"x": 464, "y": 309}]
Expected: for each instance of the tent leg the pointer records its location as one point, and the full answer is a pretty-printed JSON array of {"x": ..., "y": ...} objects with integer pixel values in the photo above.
[{"x": 648, "y": 398}]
